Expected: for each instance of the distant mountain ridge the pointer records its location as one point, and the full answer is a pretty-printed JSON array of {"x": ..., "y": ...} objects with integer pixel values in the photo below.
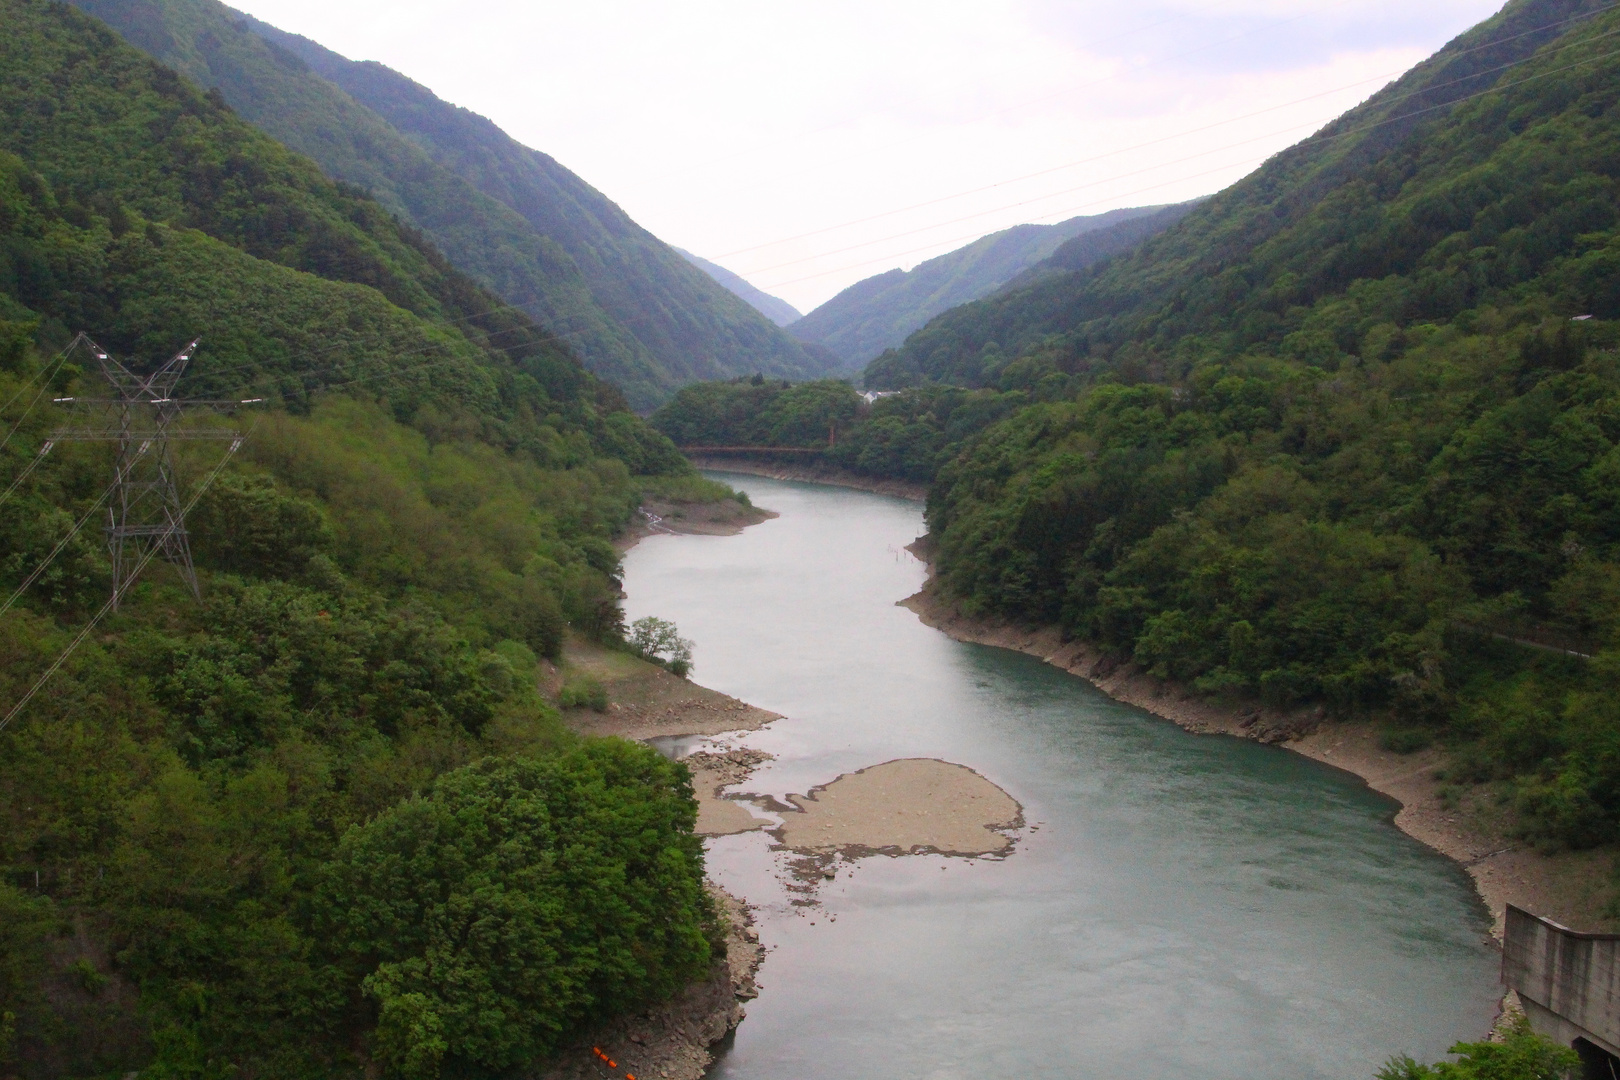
[
  {"x": 632, "y": 308},
  {"x": 774, "y": 308},
  {"x": 879, "y": 312}
]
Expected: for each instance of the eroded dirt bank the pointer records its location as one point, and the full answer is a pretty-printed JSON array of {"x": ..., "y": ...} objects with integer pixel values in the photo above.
[{"x": 1570, "y": 887}]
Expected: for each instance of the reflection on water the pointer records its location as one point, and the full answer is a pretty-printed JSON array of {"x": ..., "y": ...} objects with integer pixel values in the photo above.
[{"x": 1181, "y": 905}]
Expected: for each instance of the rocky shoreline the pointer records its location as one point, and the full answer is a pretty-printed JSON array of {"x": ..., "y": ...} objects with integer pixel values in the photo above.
[
  {"x": 1569, "y": 887},
  {"x": 676, "y": 1040}
]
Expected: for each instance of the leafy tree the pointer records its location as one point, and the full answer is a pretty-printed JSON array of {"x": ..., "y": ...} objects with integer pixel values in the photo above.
[
  {"x": 659, "y": 641},
  {"x": 518, "y": 899}
]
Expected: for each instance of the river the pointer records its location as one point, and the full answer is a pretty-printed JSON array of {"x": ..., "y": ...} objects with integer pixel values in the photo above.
[{"x": 1182, "y": 905}]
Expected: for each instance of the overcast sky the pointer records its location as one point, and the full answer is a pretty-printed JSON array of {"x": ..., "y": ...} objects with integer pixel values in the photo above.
[{"x": 807, "y": 145}]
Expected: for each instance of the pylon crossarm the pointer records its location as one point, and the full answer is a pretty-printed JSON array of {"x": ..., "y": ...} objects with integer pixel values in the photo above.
[
  {"x": 103, "y": 435},
  {"x": 214, "y": 403}
]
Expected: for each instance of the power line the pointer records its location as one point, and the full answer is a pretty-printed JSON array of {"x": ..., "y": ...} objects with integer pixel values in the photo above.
[
  {"x": 1311, "y": 141},
  {"x": 1194, "y": 131},
  {"x": 1067, "y": 91},
  {"x": 60, "y": 357},
  {"x": 112, "y": 602},
  {"x": 57, "y": 550}
]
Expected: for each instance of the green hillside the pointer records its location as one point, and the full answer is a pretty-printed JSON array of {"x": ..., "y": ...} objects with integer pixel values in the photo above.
[
  {"x": 879, "y": 312},
  {"x": 313, "y": 825},
  {"x": 514, "y": 219},
  {"x": 1341, "y": 433}
]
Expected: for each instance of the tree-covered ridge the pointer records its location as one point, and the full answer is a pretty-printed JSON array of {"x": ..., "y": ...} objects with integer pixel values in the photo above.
[
  {"x": 906, "y": 436},
  {"x": 201, "y": 813},
  {"x": 1366, "y": 199},
  {"x": 512, "y": 218},
  {"x": 759, "y": 412},
  {"x": 879, "y": 312},
  {"x": 213, "y": 46}
]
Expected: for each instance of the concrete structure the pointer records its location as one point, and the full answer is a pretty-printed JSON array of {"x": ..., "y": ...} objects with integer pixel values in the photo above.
[{"x": 1569, "y": 984}]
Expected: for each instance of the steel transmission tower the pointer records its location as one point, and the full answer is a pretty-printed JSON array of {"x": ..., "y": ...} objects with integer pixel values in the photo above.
[{"x": 145, "y": 514}]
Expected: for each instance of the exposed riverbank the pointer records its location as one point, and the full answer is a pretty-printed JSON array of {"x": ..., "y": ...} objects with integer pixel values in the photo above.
[
  {"x": 724, "y": 517},
  {"x": 813, "y": 473},
  {"x": 675, "y": 1040},
  {"x": 1569, "y": 887}
]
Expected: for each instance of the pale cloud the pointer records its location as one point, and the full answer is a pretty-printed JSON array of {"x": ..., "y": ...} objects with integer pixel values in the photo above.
[{"x": 734, "y": 127}]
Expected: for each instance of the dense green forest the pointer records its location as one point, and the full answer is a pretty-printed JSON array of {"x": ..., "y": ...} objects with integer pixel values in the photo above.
[
  {"x": 321, "y": 822},
  {"x": 1346, "y": 436},
  {"x": 1345, "y": 429},
  {"x": 905, "y": 436},
  {"x": 512, "y": 218}
]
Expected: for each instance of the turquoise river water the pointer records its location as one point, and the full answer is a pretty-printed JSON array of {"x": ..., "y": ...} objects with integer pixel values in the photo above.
[{"x": 1182, "y": 905}]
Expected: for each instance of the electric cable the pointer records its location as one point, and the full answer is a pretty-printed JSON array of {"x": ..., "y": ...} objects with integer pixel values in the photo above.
[
  {"x": 1177, "y": 161},
  {"x": 58, "y": 359},
  {"x": 1193, "y": 131},
  {"x": 1312, "y": 141},
  {"x": 44, "y": 450},
  {"x": 146, "y": 557},
  {"x": 57, "y": 550}
]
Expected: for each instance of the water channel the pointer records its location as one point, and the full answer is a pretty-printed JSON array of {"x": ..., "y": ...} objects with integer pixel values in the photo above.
[{"x": 1181, "y": 905}]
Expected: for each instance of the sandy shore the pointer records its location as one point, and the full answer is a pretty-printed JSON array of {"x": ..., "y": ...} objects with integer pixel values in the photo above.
[
  {"x": 1570, "y": 887},
  {"x": 902, "y": 807},
  {"x": 908, "y": 806},
  {"x": 814, "y": 474}
]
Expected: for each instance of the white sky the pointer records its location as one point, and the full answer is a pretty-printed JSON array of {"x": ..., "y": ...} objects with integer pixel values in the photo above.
[{"x": 758, "y": 133}]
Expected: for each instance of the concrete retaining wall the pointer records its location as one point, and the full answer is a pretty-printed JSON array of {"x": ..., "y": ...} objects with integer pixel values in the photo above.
[{"x": 1569, "y": 982}]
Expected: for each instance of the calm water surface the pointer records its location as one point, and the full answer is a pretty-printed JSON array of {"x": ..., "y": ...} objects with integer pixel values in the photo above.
[{"x": 1183, "y": 905}]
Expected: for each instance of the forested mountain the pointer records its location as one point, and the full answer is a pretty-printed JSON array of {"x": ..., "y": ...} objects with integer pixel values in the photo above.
[
  {"x": 1347, "y": 434},
  {"x": 1247, "y": 267},
  {"x": 774, "y": 308},
  {"x": 321, "y": 822},
  {"x": 510, "y": 217},
  {"x": 879, "y": 312}
]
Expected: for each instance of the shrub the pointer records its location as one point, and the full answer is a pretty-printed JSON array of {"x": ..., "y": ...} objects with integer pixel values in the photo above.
[
  {"x": 1521, "y": 1055},
  {"x": 583, "y": 691}
]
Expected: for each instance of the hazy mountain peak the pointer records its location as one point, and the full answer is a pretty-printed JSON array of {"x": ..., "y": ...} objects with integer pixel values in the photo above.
[{"x": 774, "y": 308}]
